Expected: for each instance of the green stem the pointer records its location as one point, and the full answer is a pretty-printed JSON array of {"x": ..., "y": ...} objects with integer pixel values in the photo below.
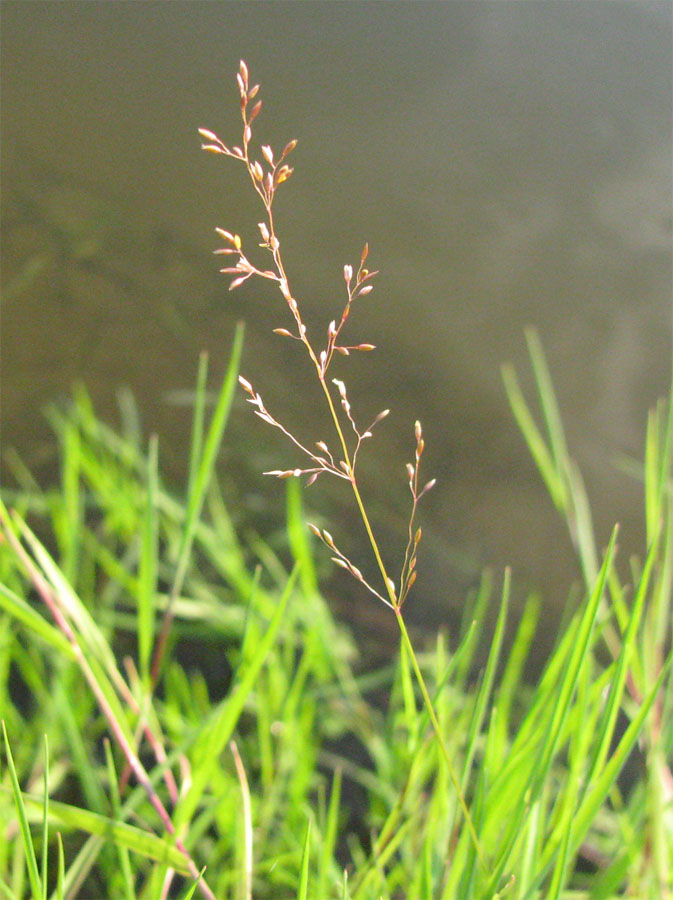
[
  {"x": 440, "y": 738},
  {"x": 405, "y": 634}
]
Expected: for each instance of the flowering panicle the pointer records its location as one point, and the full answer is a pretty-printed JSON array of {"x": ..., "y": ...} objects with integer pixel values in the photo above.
[{"x": 267, "y": 172}]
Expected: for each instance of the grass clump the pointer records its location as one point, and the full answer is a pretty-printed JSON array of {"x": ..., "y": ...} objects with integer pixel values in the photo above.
[{"x": 233, "y": 769}]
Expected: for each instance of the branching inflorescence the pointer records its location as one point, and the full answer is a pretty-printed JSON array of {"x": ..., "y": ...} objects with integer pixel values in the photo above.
[{"x": 266, "y": 177}]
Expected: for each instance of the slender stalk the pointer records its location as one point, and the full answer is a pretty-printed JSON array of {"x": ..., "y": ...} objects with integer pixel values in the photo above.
[
  {"x": 440, "y": 738},
  {"x": 265, "y": 183}
]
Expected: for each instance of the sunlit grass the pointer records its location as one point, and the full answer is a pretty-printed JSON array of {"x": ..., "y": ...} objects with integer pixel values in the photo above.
[{"x": 183, "y": 714}]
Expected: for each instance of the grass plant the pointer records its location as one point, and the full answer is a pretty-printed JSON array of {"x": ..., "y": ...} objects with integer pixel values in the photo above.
[{"x": 233, "y": 771}]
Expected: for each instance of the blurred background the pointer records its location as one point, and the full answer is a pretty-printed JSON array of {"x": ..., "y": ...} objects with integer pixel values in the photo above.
[{"x": 510, "y": 165}]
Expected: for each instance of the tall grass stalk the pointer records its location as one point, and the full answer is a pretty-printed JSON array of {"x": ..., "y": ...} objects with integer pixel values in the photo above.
[{"x": 266, "y": 177}]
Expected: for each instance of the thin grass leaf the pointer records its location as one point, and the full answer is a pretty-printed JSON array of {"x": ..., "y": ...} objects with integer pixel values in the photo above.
[
  {"x": 60, "y": 867},
  {"x": 532, "y": 840},
  {"x": 20, "y": 806},
  {"x": 246, "y": 823},
  {"x": 198, "y": 420},
  {"x": 471, "y": 628},
  {"x": 580, "y": 524},
  {"x": 511, "y": 677},
  {"x": 548, "y": 403},
  {"x": 129, "y": 416},
  {"x": 607, "y": 727},
  {"x": 656, "y": 451},
  {"x": 16, "y": 607},
  {"x": 71, "y": 500},
  {"x": 95, "y": 659},
  {"x": 86, "y": 628},
  {"x": 408, "y": 696},
  {"x": 576, "y": 660},
  {"x": 302, "y": 893},
  {"x": 122, "y": 852},
  {"x": 189, "y": 891},
  {"x": 136, "y": 839},
  {"x": 560, "y": 872},
  {"x": 45, "y": 820},
  {"x": 536, "y": 443},
  {"x": 200, "y": 474},
  {"x": 83, "y": 863},
  {"x": 148, "y": 568},
  {"x": 220, "y": 727},
  {"x": 484, "y": 695},
  {"x": 298, "y": 537},
  {"x": 380, "y": 859},
  {"x": 329, "y": 839}
]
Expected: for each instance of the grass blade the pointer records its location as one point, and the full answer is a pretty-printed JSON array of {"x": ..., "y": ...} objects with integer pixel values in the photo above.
[
  {"x": 28, "y": 848},
  {"x": 302, "y": 893},
  {"x": 200, "y": 474},
  {"x": 45, "y": 820},
  {"x": 121, "y": 834},
  {"x": 148, "y": 568},
  {"x": 221, "y": 726}
]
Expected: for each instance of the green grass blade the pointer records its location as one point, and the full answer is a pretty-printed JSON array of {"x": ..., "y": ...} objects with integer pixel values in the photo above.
[
  {"x": 302, "y": 893},
  {"x": 297, "y": 533},
  {"x": 483, "y": 697},
  {"x": 329, "y": 838},
  {"x": 606, "y": 731},
  {"x": 28, "y": 848},
  {"x": 45, "y": 820},
  {"x": 577, "y": 657},
  {"x": 345, "y": 893},
  {"x": 548, "y": 403},
  {"x": 536, "y": 443},
  {"x": 198, "y": 420},
  {"x": 86, "y": 627},
  {"x": 221, "y": 725},
  {"x": 27, "y": 616},
  {"x": 60, "y": 867},
  {"x": 511, "y": 677},
  {"x": 189, "y": 892},
  {"x": 552, "y": 725},
  {"x": 199, "y": 481},
  {"x": 148, "y": 567},
  {"x": 123, "y": 852},
  {"x": 70, "y": 530},
  {"x": 119, "y": 833}
]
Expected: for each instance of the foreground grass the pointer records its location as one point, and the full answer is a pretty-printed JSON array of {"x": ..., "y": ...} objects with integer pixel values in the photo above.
[{"x": 259, "y": 782}]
